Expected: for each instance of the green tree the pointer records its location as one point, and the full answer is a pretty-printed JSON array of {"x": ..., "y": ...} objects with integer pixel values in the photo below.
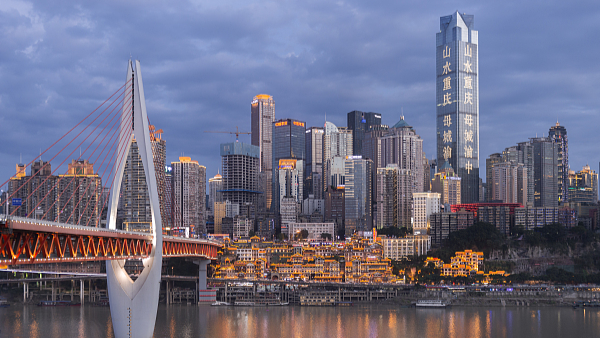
[{"x": 326, "y": 236}]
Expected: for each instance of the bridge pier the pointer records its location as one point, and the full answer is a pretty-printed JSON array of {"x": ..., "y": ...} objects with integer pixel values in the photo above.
[
  {"x": 205, "y": 295},
  {"x": 81, "y": 292},
  {"x": 53, "y": 290},
  {"x": 25, "y": 292}
]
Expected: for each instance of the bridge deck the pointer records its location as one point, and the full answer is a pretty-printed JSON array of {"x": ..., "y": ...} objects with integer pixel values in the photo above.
[{"x": 30, "y": 241}]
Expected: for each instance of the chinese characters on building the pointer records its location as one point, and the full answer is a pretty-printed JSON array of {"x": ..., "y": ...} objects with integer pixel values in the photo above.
[{"x": 468, "y": 100}]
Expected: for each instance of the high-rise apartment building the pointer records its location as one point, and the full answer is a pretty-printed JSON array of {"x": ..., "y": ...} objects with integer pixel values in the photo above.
[
  {"x": 289, "y": 143},
  {"x": 509, "y": 183},
  {"x": 394, "y": 197},
  {"x": 359, "y": 123},
  {"x": 402, "y": 146},
  {"x": 424, "y": 205},
  {"x": 313, "y": 175},
  {"x": 358, "y": 194},
  {"x": 558, "y": 135},
  {"x": 290, "y": 179},
  {"x": 457, "y": 100},
  {"x": 263, "y": 116},
  {"x": 240, "y": 168},
  {"x": 189, "y": 196},
  {"x": 489, "y": 162}
]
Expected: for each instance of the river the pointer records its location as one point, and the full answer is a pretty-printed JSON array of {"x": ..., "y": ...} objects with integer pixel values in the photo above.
[{"x": 295, "y": 321}]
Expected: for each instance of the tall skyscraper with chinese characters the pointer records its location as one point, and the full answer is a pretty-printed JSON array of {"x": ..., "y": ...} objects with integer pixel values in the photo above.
[
  {"x": 263, "y": 115},
  {"x": 457, "y": 100}
]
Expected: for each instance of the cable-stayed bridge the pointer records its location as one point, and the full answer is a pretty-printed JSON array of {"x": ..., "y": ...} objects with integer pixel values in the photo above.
[{"x": 66, "y": 208}]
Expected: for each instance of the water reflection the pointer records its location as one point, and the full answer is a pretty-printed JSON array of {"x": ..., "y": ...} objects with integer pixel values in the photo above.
[{"x": 356, "y": 321}]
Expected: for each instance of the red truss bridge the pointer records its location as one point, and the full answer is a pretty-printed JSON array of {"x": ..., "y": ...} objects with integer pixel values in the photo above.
[{"x": 28, "y": 241}]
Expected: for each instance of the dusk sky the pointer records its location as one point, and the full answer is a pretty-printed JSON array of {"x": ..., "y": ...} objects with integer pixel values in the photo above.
[{"x": 203, "y": 62}]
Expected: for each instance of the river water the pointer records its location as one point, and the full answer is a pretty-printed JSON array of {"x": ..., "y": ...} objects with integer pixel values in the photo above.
[{"x": 295, "y": 321}]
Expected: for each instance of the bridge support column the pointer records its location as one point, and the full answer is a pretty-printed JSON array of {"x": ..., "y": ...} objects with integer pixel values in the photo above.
[
  {"x": 81, "y": 292},
  {"x": 53, "y": 290},
  {"x": 25, "y": 292},
  {"x": 205, "y": 295}
]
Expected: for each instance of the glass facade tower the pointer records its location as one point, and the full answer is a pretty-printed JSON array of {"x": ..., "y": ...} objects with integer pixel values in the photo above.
[
  {"x": 263, "y": 115},
  {"x": 457, "y": 100}
]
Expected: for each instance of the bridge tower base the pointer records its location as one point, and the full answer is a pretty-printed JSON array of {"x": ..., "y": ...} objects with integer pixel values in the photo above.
[{"x": 205, "y": 295}]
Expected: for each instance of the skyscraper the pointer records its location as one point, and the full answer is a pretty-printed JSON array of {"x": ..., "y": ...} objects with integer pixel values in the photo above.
[
  {"x": 394, "y": 197},
  {"x": 402, "y": 146},
  {"x": 215, "y": 194},
  {"x": 313, "y": 175},
  {"x": 289, "y": 142},
  {"x": 189, "y": 195},
  {"x": 337, "y": 144},
  {"x": 583, "y": 186},
  {"x": 558, "y": 134},
  {"x": 360, "y": 123},
  {"x": 358, "y": 194},
  {"x": 263, "y": 115},
  {"x": 545, "y": 172},
  {"x": 457, "y": 100},
  {"x": 240, "y": 168}
]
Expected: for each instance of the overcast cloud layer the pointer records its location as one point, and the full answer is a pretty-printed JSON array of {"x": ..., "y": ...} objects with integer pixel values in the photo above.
[{"x": 203, "y": 61}]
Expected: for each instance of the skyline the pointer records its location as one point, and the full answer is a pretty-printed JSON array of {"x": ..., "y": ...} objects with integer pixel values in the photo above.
[{"x": 326, "y": 60}]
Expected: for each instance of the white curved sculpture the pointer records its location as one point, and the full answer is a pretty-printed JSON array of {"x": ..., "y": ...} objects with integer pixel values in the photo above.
[{"x": 133, "y": 305}]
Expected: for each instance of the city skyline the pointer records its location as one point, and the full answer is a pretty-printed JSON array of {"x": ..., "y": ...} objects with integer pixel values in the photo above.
[{"x": 560, "y": 88}]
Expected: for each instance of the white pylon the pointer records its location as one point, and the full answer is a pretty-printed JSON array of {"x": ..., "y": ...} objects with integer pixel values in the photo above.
[{"x": 133, "y": 305}]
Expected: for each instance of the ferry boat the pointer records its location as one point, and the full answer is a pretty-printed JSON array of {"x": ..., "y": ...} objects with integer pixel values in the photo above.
[
  {"x": 431, "y": 303},
  {"x": 218, "y": 303}
]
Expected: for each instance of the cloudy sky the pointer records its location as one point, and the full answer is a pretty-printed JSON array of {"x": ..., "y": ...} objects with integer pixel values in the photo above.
[{"x": 203, "y": 61}]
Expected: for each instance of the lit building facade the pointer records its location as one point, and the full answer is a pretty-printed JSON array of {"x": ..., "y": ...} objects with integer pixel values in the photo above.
[
  {"x": 394, "y": 197},
  {"x": 215, "y": 194},
  {"x": 240, "y": 168},
  {"x": 583, "y": 186},
  {"x": 337, "y": 144},
  {"x": 457, "y": 100},
  {"x": 447, "y": 183},
  {"x": 263, "y": 115},
  {"x": 289, "y": 143}
]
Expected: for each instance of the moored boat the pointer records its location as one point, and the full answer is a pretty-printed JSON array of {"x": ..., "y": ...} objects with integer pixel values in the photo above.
[{"x": 431, "y": 303}]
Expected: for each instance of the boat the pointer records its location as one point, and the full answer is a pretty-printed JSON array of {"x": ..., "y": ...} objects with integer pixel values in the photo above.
[
  {"x": 431, "y": 303},
  {"x": 244, "y": 303},
  {"x": 218, "y": 303}
]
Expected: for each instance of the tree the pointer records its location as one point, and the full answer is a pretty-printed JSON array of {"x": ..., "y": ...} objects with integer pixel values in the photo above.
[
  {"x": 393, "y": 232},
  {"x": 304, "y": 234},
  {"x": 326, "y": 236},
  {"x": 251, "y": 233}
]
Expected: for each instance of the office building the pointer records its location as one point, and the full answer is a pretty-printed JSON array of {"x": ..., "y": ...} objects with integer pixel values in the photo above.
[
  {"x": 263, "y": 116},
  {"x": 489, "y": 162},
  {"x": 545, "y": 172},
  {"x": 457, "y": 98},
  {"x": 289, "y": 143},
  {"x": 313, "y": 174},
  {"x": 358, "y": 194},
  {"x": 337, "y": 144},
  {"x": 558, "y": 135},
  {"x": 360, "y": 123},
  {"x": 189, "y": 195},
  {"x": 402, "y": 146},
  {"x": 315, "y": 230},
  {"x": 215, "y": 191},
  {"x": 335, "y": 207},
  {"x": 290, "y": 179},
  {"x": 225, "y": 210},
  {"x": 535, "y": 217}
]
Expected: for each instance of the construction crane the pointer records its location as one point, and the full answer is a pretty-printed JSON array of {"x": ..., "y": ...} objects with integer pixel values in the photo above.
[{"x": 237, "y": 133}]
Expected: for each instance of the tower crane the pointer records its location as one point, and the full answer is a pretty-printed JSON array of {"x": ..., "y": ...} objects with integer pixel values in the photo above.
[{"x": 237, "y": 133}]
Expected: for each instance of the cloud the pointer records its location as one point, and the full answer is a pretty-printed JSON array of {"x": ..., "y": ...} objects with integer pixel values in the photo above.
[{"x": 203, "y": 61}]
